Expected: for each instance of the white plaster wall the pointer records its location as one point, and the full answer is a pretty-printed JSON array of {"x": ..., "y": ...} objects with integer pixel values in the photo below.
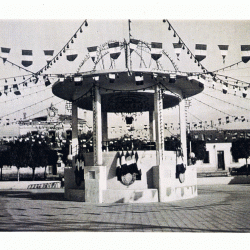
[{"x": 213, "y": 148}]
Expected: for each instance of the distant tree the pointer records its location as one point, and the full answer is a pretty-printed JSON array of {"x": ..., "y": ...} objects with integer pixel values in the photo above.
[
  {"x": 172, "y": 143},
  {"x": 241, "y": 149},
  {"x": 36, "y": 156},
  {"x": 19, "y": 155},
  {"x": 43, "y": 156},
  {"x": 4, "y": 159},
  {"x": 199, "y": 149},
  {"x": 65, "y": 152},
  {"x": 52, "y": 157}
]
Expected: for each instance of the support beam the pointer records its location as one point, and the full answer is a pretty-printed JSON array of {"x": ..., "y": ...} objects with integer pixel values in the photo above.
[
  {"x": 105, "y": 129},
  {"x": 182, "y": 119},
  {"x": 151, "y": 126},
  {"x": 97, "y": 126},
  {"x": 74, "y": 130},
  {"x": 159, "y": 130}
]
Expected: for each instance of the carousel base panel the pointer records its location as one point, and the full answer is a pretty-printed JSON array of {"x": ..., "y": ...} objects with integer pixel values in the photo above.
[
  {"x": 130, "y": 196},
  {"x": 99, "y": 184},
  {"x": 74, "y": 195}
]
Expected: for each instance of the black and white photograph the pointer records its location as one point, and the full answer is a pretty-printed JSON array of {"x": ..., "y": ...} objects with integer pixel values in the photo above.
[{"x": 124, "y": 123}]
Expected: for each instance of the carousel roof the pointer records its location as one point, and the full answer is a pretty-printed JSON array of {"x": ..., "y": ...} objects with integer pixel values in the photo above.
[
  {"x": 126, "y": 74},
  {"x": 127, "y": 91}
]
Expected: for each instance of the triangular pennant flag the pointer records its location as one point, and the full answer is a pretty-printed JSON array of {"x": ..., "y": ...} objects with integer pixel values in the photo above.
[
  {"x": 177, "y": 49},
  {"x": 111, "y": 78},
  {"x": 48, "y": 55},
  {"x": 71, "y": 55},
  {"x": 156, "y": 50},
  {"x": 139, "y": 78},
  {"x": 78, "y": 80},
  {"x": 223, "y": 51},
  {"x": 133, "y": 44},
  {"x": 224, "y": 88},
  {"x": 114, "y": 50},
  {"x": 5, "y": 53},
  {"x": 200, "y": 52},
  {"x": 245, "y": 52},
  {"x": 92, "y": 52},
  {"x": 6, "y": 89},
  {"x": 27, "y": 57},
  {"x": 16, "y": 90},
  {"x": 244, "y": 92}
]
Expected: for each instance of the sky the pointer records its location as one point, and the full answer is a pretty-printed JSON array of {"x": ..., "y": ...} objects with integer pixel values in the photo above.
[{"x": 45, "y": 33}]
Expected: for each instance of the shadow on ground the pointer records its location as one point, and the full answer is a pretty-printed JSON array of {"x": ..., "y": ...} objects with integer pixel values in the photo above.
[{"x": 54, "y": 196}]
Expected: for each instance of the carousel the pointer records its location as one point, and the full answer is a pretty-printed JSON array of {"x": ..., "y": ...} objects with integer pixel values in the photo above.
[{"x": 140, "y": 77}]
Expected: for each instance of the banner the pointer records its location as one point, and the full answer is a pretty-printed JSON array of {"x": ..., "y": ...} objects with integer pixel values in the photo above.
[
  {"x": 5, "y": 53},
  {"x": 200, "y": 52},
  {"x": 27, "y": 58},
  {"x": 71, "y": 55},
  {"x": 92, "y": 52},
  {"x": 245, "y": 52},
  {"x": 156, "y": 50},
  {"x": 48, "y": 55},
  {"x": 114, "y": 50},
  {"x": 177, "y": 49},
  {"x": 223, "y": 51}
]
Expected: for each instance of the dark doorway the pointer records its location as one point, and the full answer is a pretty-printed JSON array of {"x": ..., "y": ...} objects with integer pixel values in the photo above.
[{"x": 221, "y": 162}]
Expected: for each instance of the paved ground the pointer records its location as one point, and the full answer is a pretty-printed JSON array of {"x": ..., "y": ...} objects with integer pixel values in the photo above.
[{"x": 220, "y": 208}]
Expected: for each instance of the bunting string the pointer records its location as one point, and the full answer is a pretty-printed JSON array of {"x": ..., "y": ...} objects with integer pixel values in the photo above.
[
  {"x": 230, "y": 66},
  {"x": 225, "y": 101},
  {"x": 13, "y": 64},
  {"x": 16, "y": 111}
]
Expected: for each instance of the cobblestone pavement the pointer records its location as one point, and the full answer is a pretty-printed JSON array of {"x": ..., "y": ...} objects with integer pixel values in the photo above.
[{"x": 218, "y": 208}]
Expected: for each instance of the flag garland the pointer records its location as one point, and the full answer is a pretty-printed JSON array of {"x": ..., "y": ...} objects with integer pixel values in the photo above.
[
  {"x": 92, "y": 52},
  {"x": 133, "y": 44},
  {"x": 114, "y": 50},
  {"x": 5, "y": 53},
  {"x": 139, "y": 79},
  {"x": 48, "y": 55},
  {"x": 245, "y": 51},
  {"x": 16, "y": 90},
  {"x": 156, "y": 50},
  {"x": 27, "y": 58},
  {"x": 200, "y": 52},
  {"x": 6, "y": 89},
  {"x": 71, "y": 55},
  {"x": 223, "y": 51},
  {"x": 177, "y": 49}
]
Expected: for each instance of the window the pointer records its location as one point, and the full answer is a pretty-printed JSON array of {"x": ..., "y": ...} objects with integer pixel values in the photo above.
[{"x": 206, "y": 159}]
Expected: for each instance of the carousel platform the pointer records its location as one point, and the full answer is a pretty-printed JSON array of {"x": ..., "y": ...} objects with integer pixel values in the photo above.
[{"x": 100, "y": 184}]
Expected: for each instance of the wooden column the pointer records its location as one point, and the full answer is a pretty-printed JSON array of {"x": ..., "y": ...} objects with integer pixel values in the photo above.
[
  {"x": 74, "y": 130},
  {"x": 151, "y": 126},
  {"x": 97, "y": 126},
  {"x": 182, "y": 119},
  {"x": 105, "y": 129},
  {"x": 159, "y": 130}
]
